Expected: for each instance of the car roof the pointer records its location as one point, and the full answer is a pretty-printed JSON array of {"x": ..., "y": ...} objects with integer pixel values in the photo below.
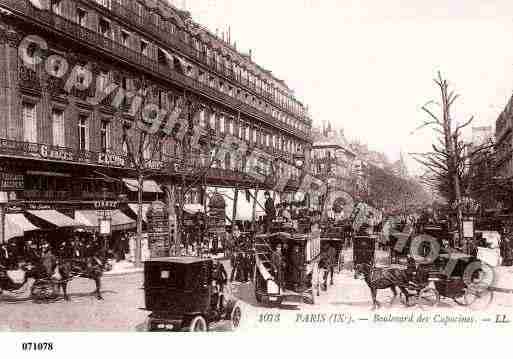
[{"x": 178, "y": 260}]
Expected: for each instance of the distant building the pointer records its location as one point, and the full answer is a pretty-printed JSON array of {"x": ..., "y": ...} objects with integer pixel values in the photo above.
[
  {"x": 399, "y": 168},
  {"x": 482, "y": 134},
  {"x": 504, "y": 141},
  {"x": 333, "y": 159}
]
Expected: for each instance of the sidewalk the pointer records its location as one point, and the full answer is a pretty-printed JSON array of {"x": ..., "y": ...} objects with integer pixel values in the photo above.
[
  {"x": 122, "y": 268},
  {"x": 127, "y": 267}
]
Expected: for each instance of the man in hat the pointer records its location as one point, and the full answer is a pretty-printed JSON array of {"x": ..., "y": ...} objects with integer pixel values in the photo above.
[
  {"x": 270, "y": 211},
  {"x": 296, "y": 262}
]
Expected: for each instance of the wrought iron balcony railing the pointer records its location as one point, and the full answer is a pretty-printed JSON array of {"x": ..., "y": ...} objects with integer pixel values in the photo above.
[
  {"x": 125, "y": 54},
  {"x": 176, "y": 40}
]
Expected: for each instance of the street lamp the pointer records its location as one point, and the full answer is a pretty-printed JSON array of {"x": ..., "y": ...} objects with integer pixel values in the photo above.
[{"x": 4, "y": 199}]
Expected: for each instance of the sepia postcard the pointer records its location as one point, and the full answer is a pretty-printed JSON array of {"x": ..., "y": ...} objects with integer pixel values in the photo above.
[{"x": 251, "y": 167}]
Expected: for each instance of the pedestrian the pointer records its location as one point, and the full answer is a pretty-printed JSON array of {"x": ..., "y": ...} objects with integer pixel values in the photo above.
[
  {"x": 296, "y": 263},
  {"x": 332, "y": 262},
  {"x": 279, "y": 266},
  {"x": 219, "y": 275},
  {"x": 246, "y": 264},
  {"x": 5, "y": 257},
  {"x": 270, "y": 211}
]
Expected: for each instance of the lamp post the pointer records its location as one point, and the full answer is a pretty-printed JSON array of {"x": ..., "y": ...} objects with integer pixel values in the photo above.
[{"x": 4, "y": 199}]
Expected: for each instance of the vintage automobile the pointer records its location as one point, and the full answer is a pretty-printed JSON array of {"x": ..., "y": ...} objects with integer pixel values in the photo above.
[
  {"x": 297, "y": 278},
  {"x": 182, "y": 295}
]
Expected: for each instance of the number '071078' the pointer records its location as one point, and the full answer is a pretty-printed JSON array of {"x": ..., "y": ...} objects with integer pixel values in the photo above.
[{"x": 39, "y": 347}]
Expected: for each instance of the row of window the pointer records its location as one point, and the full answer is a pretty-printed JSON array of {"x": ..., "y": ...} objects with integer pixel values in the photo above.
[
  {"x": 213, "y": 58},
  {"x": 221, "y": 123},
  {"x": 241, "y": 74},
  {"x": 30, "y": 129},
  {"x": 247, "y": 132}
]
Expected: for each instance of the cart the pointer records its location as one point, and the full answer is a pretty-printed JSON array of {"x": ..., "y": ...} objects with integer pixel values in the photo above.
[
  {"x": 338, "y": 244},
  {"x": 432, "y": 282},
  {"x": 298, "y": 277},
  {"x": 182, "y": 295},
  {"x": 364, "y": 250}
]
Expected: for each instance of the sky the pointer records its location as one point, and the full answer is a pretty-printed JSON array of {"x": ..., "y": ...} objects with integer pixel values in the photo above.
[{"x": 368, "y": 66}]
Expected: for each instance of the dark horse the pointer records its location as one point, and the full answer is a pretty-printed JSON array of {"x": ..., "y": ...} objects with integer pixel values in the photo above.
[
  {"x": 383, "y": 278},
  {"x": 68, "y": 269}
]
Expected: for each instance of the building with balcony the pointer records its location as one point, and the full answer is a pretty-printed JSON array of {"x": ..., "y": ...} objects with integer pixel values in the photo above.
[
  {"x": 504, "y": 142},
  {"x": 334, "y": 161},
  {"x": 57, "y": 148}
]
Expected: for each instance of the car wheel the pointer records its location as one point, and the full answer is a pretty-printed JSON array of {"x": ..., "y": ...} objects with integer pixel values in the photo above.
[{"x": 198, "y": 324}]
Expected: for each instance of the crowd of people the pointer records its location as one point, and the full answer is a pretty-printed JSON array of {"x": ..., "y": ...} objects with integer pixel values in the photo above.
[{"x": 70, "y": 246}]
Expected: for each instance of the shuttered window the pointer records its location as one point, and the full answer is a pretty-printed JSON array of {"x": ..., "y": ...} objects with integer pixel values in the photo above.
[
  {"x": 83, "y": 133},
  {"x": 58, "y": 127},
  {"x": 29, "y": 122}
]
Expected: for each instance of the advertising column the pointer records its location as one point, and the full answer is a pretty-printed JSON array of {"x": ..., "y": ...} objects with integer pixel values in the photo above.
[{"x": 158, "y": 230}]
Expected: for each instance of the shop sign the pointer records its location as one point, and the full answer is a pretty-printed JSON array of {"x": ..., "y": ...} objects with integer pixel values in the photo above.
[
  {"x": 11, "y": 181},
  {"x": 38, "y": 206},
  {"x": 48, "y": 152},
  {"x": 111, "y": 159},
  {"x": 14, "y": 208},
  {"x": 106, "y": 205}
]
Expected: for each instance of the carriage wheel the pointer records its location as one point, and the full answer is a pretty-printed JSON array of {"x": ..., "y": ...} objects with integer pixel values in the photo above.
[
  {"x": 407, "y": 301},
  {"x": 478, "y": 298},
  {"x": 258, "y": 297},
  {"x": 428, "y": 297},
  {"x": 460, "y": 300},
  {"x": 235, "y": 317},
  {"x": 198, "y": 324}
]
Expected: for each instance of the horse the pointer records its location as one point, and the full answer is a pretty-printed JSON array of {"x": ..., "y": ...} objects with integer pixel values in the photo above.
[
  {"x": 384, "y": 278},
  {"x": 62, "y": 271},
  {"x": 89, "y": 268}
]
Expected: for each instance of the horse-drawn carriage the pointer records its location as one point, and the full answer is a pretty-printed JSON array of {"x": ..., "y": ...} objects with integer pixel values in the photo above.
[
  {"x": 286, "y": 268},
  {"x": 182, "y": 294},
  {"x": 333, "y": 235},
  {"x": 453, "y": 275},
  {"x": 364, "y": 250}
]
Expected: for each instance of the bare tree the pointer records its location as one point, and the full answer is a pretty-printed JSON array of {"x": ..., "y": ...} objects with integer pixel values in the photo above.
[{"x": 448, "y": 163}]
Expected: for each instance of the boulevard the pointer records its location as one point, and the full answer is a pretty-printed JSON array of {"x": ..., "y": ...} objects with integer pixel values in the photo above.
[{"x": 123, "y": 299}]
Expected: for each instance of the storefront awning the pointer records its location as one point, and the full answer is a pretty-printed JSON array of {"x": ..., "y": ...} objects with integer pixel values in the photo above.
[
  {"x": 56, "y": 218},
  {"x": 148, "y": 186},
  {"x": 120, "y": 221},
  {"x": 244, "y": 208},
  {"x": 135, "y": 208},
  {"x": 16, "y": 224}
]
